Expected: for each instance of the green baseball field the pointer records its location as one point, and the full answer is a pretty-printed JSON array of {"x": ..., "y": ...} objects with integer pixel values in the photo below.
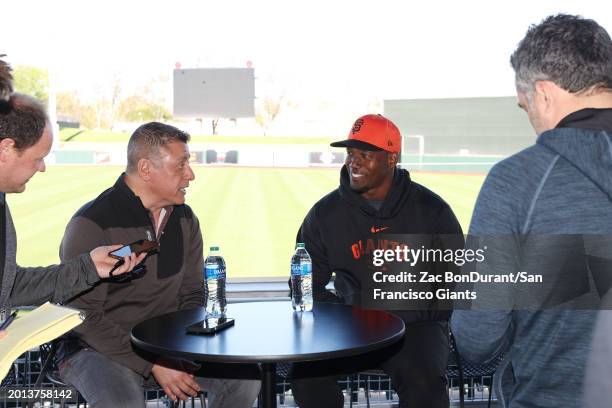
[{"x": 252, "y": 213}]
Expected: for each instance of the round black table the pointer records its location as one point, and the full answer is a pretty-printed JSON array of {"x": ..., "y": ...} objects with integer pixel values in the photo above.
[{"x": 271, "y": 332}]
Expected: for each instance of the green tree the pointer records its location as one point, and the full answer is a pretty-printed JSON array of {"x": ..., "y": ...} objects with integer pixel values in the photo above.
[
  {"x": 32, "y": 81},
  {"x": 137, "y": 108}
]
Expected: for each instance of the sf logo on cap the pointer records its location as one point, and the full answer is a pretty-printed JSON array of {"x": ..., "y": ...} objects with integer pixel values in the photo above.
[{"x": 357, "y": 126}]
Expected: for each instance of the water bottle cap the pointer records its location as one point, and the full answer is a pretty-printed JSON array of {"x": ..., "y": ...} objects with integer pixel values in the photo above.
[
  {"x": 300, "y": 245},
  {"x": 214, "y": 248}
]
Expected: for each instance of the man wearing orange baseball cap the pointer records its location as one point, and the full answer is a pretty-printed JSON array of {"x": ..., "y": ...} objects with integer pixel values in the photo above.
[
  {"x": 343, "y": 230},
  {"x": 373, "y": 131}
]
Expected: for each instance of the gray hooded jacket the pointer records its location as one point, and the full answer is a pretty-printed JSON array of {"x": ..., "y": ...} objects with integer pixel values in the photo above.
[{"x": 561, "y": 185}]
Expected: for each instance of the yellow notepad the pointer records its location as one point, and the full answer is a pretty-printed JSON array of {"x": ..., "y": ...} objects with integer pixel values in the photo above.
[{"x": 34, "y": 328}]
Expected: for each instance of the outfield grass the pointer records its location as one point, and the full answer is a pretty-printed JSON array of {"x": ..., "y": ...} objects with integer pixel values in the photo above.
[{"x": 252, "y": 213}]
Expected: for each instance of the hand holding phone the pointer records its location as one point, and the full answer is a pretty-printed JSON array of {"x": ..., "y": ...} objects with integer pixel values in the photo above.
[
  {"x": 107, "y": 265},
  {"x": 137, "y": 247}
]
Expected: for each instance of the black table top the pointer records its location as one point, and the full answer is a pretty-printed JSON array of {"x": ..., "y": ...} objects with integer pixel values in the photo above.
[{"x": 271, "y": 332}]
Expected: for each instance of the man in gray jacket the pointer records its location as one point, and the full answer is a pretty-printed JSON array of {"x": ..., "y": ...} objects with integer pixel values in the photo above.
[
  {"x": 544, "y": 205},
  {"x": 25, "y": 139}
]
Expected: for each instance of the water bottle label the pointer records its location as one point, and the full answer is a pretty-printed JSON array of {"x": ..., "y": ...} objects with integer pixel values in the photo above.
[
  {"x": 295, "y": 270},
  {"x": 301, "y": 270},
  {"x": 212, "y": 272}
]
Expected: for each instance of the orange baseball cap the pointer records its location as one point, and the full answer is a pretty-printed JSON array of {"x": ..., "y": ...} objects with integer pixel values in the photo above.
[{"x": 373, "y": 132}]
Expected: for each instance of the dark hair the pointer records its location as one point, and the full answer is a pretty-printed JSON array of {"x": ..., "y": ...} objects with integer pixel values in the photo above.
[
  {"x": 6, "y": 80},
  {"x": 22, "y": 118},
  {"x": 148, "y": 138},
  {"x": 573, "y": 52}
]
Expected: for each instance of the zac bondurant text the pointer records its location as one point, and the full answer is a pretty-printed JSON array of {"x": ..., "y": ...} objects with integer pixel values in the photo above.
[{"x": 448, "y": 277}]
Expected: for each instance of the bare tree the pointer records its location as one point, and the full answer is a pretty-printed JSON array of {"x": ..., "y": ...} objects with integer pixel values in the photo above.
[
  {"x": 114, "y": 98},
  {"x": 267, "y": 112}
]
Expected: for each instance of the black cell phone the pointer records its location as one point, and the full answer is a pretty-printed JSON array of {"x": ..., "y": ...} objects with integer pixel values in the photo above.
[
  {"x": 210, "y": 325},
  {"x": 138, "y": 247}
]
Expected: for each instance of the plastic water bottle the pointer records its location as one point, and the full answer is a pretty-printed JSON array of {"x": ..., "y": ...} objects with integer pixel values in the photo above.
[
  {"x": 214, "y": 283},
  {"x": 301, "y": 279}
]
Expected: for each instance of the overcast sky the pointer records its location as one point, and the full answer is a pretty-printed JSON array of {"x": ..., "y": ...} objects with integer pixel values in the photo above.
[{"x": 363, "y": 50}]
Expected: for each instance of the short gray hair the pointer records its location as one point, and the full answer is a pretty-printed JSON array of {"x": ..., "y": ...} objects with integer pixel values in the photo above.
[
  {"x": 573, "y": 52},
  {"x": 146, "y": 141}
]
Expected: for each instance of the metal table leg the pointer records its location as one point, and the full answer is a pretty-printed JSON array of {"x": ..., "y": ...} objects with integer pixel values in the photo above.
[{"x": 268, "y": 385}]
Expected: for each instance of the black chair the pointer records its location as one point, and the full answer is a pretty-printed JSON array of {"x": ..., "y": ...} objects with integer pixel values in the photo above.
[
  {"x": 183, "y": 404},
  {"x": 457, "y": 368},
  {"x": 283, "y": 383},
  {"x": 365, "y": 380},
  {"x": 465, "y": 371},
  {"x": 10, "y": 379}
]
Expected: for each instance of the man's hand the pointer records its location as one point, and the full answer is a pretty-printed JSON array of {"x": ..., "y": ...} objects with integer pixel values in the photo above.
[
  {"x": 176, "y": 383},
  {"x": 105, "y": 263},
  {"x": 2, "y": 334}
]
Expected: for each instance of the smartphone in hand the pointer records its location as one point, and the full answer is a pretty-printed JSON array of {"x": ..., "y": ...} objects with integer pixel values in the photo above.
[{"x": 138, "y": 247}]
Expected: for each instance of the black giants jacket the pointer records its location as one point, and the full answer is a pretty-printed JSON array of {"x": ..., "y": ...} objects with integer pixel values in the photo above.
[{"x": 342, "y": 230}]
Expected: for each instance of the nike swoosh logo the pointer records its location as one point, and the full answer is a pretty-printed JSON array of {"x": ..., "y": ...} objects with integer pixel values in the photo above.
[{"x": 375, "y": 230}]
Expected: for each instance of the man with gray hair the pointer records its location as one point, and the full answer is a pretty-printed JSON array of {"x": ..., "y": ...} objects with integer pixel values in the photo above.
[
  {"x": 559, "y": 187},
  {"x": 146, "y": 202}
]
